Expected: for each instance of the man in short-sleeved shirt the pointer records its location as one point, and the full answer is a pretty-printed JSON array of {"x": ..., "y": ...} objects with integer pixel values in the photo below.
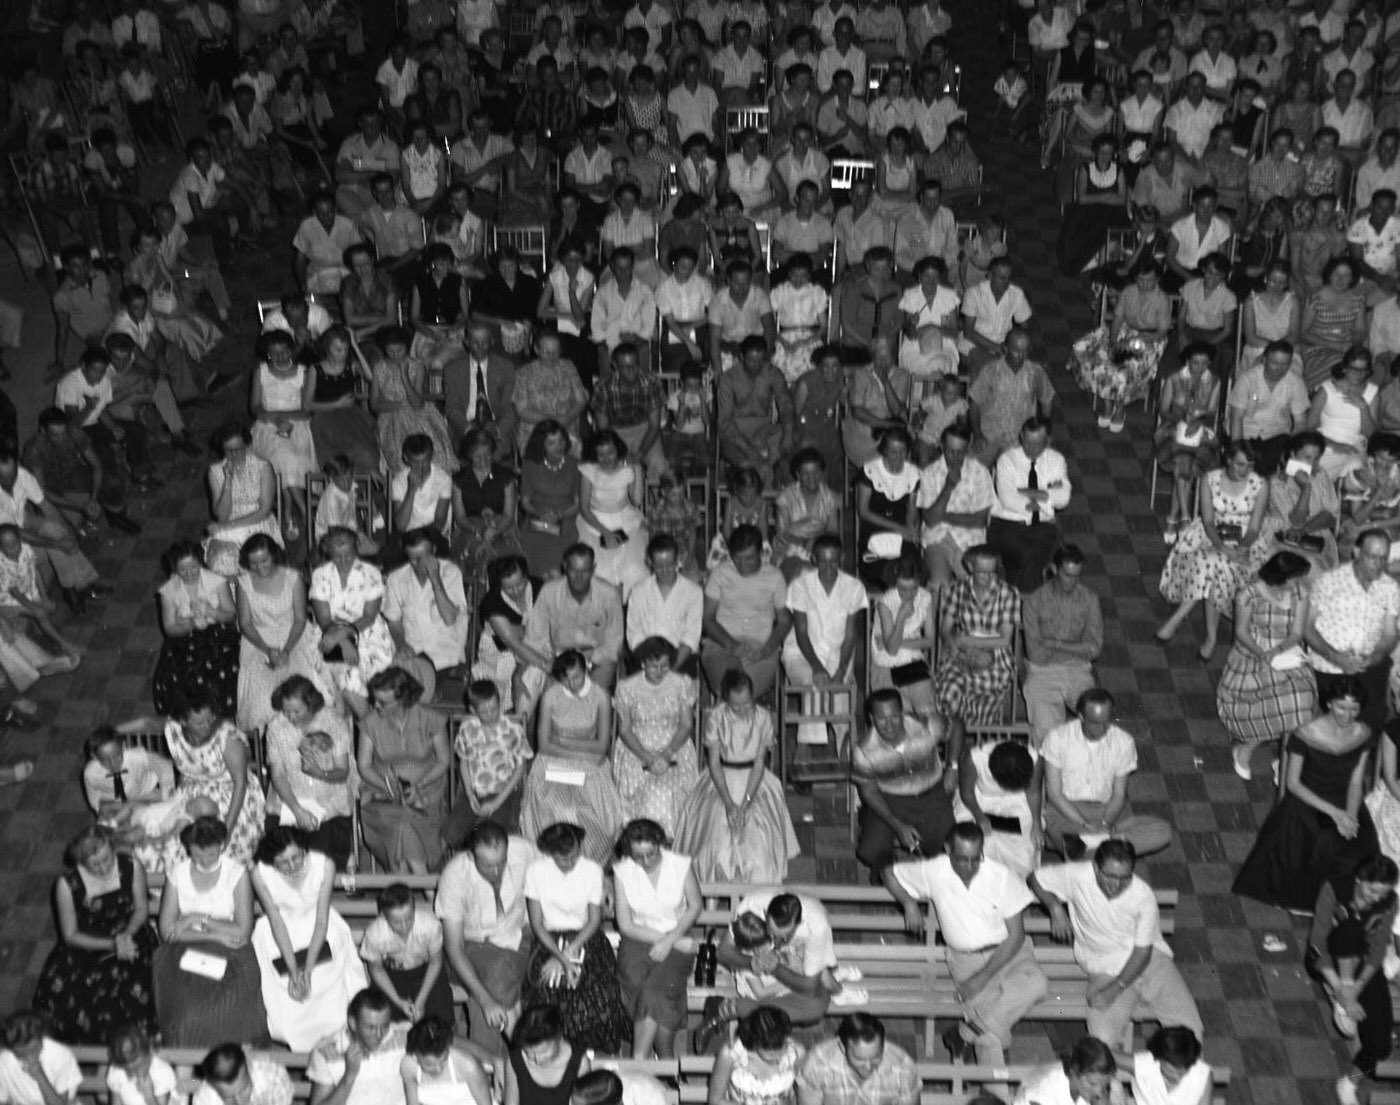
[
  {"x": 826, "y": 605},
  {"x": 1088, "y": 762},
  {"x": 580, "y": 612},
  {"x": 666, "y": 604},
  {"x": 1352, "y": 625},
  {"x": 320, "y": 243},
  {"x": 425, "y": 605},
  {"x": 979, "y": 905},
  {"x": 1007, "y": 392},
  {"x": 1117, "y": 931},
  {"x": 380, "y": 1046},
  {"x": 793, "y": 969},
  {"x": 692, "y": 104},
  {"x": 17, "y": 1085},
  {"x": 859, "y": 1067},
  {"x": 1372, "y": 238},
  {"x": 1268, "y": 404},
  {"x": 746, "y": 615}
]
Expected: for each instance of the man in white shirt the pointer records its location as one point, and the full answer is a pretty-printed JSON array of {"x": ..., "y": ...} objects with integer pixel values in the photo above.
[
  {"x": 955, "y": 496},
  {"x": 841, "y": 54},
  {"x": 1032, "y": 486},
  {"x": 1215, "y": 64},
  {"x": 420, "y": 492},
  {"x": 1350, "y": 118},
  {"x": 320, "y": 244},
  {"x": 1371, "y": 241},
  {"x": 1088, "y": 764},
  {"x": 425, "y": 605},
  {"x": 934, "y": 110},
  {"x": 692, "y": 107},
  {"x": 1190, "y": 120},
  {"x": 624, "y": 310},
  {"x": 1196, "y": 236},
  {"x": 34, "y": 1056},
  {"x": 667, "y": 605},
  {"x": 117, "y": 778},
  {"x": 359, "y": 1065},
  {"x": 48, "y": 532},
  {"x": 361, "y": 157},
  {"x": 858, "y": 226},
  {"x": 826, "y": 605},
  {"x": 1352, "y": 54},
  {"x": 990, "y": 309},
  {"x": 295, "y": 311},
  {"x": 476, "y": 158},
  {"x": 979, "y": 906},
  {"x": 486, "y": 934},
  {"x": 1382, "y": 170},
  {"x": 1112, "y": 917},
  {"x": 929, "y": 230},
  {"x": 738, "y": 68},
  {"x": 588, "y": 171}
]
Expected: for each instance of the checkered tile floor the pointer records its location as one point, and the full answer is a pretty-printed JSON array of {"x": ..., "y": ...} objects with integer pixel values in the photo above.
[{"x": 1262, "y": 1016}]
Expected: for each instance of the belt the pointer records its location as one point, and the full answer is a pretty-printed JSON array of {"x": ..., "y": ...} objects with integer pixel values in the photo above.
[
  {"x": 976, "y": 951},
  {"x": 734, "y": 763}
]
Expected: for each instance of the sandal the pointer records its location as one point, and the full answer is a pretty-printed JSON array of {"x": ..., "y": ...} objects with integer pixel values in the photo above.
[{"x": 1274, "y": 944}]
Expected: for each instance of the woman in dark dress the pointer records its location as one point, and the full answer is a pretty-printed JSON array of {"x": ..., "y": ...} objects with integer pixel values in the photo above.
[
  {"x": 549, "y": 498},
  {"x": 1101, "y": 199},
  {"x": 502, "y": 656},
  {"x": 543, "y": 1064},
  {"x": 201, "y": 646},
  {"x": 483, "y": 507},
  {"x": 817, "y": 402},
  {"x": 508, "y": 299},
  {"x": 340, "y": 424},
  {"x": 886, "y": 489},
  {"x": 1320, "y": 829},
  {"x": 98, "y": 976}
]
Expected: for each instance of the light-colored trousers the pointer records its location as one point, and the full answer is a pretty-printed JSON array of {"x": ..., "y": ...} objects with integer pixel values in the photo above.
[
  {"x": 1012, "y": 993},
  {"x": 71, "y": 569},
  {"x": 1145, "y": 834},
  {"x": 1160, "y": 991},
  {"x": 1051, "y": 690}
]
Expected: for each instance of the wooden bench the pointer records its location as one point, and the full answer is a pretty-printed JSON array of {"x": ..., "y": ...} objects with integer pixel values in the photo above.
[{"x": 943, "y": 1083}]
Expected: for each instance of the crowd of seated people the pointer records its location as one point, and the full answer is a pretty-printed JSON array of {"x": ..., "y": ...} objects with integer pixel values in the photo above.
[{"x": 620, "y": 385}]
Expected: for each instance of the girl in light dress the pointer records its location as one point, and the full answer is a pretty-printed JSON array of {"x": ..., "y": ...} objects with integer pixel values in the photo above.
[
  {"x": 1271, "y": 314},
  {"x": 930, "y": 308},
  {"x": 243, "y": 491},
  {"x": 759, "y": 1066},
  {"x": 800, "y": 311},
  {"x": 896, "y": 179},
  {"x": 612, "y": 495},
  {"x": 736, "y": 823},
  {"x": 424, "y": 169},
  {"x": 282, "y": 395},
  {"x": 903, "y": 634}
]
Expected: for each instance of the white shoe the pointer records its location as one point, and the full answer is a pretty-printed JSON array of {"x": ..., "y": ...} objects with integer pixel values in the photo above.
[
  {"x": 1346, "y": 1025},
  {"x": 1346, "y": 1092},
  {"x": 850, "y": 995},
  {"x": 1104, "y": 421},
  {"x": 847, "y": 972}
]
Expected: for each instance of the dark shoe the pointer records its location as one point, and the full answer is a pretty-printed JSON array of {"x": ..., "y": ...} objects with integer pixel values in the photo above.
[
  {"x": 959, "y": 1050},
  {"x": 1074, "y": 847},
  {"x": 123, "y": 524},
  {"x": 13, "y": 719}
]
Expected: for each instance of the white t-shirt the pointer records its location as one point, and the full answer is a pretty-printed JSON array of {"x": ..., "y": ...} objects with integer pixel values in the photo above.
[
  {"x": 1088, "y": 768},
  {"x": 73, "y": 389},
  {"x": 1106, "y": 930},
  {"x": 124, "y": 1089},
  {"x": 812, "y": 948},
  {"x": 827, "y": 612},
  {"x": 972, "y": 917},
  {"x": 57, "y": 1061},
  {"x": 564, "y": 898},
  {"x": 14, "y": 501}
]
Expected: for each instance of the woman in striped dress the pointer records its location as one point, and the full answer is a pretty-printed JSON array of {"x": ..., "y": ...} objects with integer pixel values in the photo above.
[{"x": 1266, "y": 690}]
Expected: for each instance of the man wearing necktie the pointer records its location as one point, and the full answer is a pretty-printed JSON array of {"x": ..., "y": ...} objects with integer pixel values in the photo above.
[
  {"x": 477, "y": 391},
  {"x": 1032, "y": 486},
  {"x": 116, "y": 776}
]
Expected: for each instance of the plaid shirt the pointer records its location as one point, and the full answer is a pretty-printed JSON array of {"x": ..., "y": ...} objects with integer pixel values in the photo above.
[
  {"x": 978, "y": 616},
  {"x": 629, "y": 402},
  {"x": 826, "y": 1073}
]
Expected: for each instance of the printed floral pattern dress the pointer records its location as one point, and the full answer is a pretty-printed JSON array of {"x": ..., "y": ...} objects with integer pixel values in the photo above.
[
  {"x": 1195, "y": 569},
  {"x": 654, "y": 711},
  {"x": 202, "y": 771}
]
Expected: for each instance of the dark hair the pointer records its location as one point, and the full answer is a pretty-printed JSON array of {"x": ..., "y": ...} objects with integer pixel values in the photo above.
[
  {"x": 260, "y": 542},
  {"x": 204, "y": 832},
  {"x": 735, "y": 680},
  {"x": 404, "y": 687},
  {"x": 1177, "y": 1045},
  {"x": 561, "y": 839},
  {"x": 597, "y": 1087},
  {"x": 745, "y": 539},
  {"x": 860, "y": 1028},
  {"x": 302, "y": 689},
  {"x": 537, "y": 1024},
  {"x": 571, "y": 659},
  {"x": 654, "y": 648},
  {"x": 1090, "y": 1055},
  {"x": 178, "y": 551},
  {"x": 1011, "y": 766},
  {"x": 88, "y": 843},
  {"x": 642, "y": 830},
  {"x": 485, "y": 834},
  {"x": 543, "y": 431},
  {"x": 767, "y": 1028},
  {"x": 369, "y": 1000},
  {"x": 277, "y": 840},
  {"x": 127, "y": 1043},
  {"x": 1344, "y": 686},
  {"x": 968, "y": 832},
  {"x": 394, "y": 896},
  {"x": 102, "y": 735},
  {"x": 223, "y": 1064},
  {"x": 1115, "y": 850},
  {"x": 430, "y": 1036},
  {"x": 785, "y": 910}
]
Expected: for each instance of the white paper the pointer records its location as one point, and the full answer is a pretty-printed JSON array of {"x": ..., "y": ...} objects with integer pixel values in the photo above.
[
  {"x": 202, "y": 963},
  {"x": 563, "y": 775},
  {"x": 1288, "y": 660}
]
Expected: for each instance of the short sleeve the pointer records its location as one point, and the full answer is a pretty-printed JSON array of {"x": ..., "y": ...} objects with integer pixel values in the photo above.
[
  {"x": 536, "y": 879},
  {"x": 65, "y": 1075},
  {"x": 593, "y": 889},
  {"x": 1125, "y": 758},
  {"x": 320, "y": 584},
  {"x": 777, "y": 588},
  {"x": 1054, "y": 878},
  {"x": 1052, "y": 749},
  {"x": 1147, "y": 925},
  {"x": 373, "y": 942},
  {"x": 913, "y": 875},
  {"x": 452, "y": 891},
  {"x": 430, "y": 929}
]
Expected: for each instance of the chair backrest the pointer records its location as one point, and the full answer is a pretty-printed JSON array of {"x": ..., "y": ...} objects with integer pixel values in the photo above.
[
  {"x": 371, "y": 503},
  {"x": 739, "y": 119},
  {"x": 875, "y": 76},
  {"x": 531, "y": 241},
  {"x": 765, "y": 243},
  {"x": 845, "y": 171}
]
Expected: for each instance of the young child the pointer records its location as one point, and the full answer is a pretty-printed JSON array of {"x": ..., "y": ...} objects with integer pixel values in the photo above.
[
  {"x": 28, "y": 1050},
  {"x": 492, "y": 754},
  {"x": 746, "y": 507},
  {"x": 942, "y": 407},
  {"x": 737, "y": 830},
  {"x": 136, "y": 1075},
  {"x": 675, "y": 513},
  {"x": 138, "y": 84},
  {"x": 339, "y": 506},
  {"x": 688, "y": 439},
  {"x": 402, "y": 950},
  {"x": 1013, "y": 100}
]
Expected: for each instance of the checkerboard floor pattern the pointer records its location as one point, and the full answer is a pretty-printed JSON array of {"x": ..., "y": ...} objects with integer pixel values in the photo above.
[{"x": 1262, "y": 1016}]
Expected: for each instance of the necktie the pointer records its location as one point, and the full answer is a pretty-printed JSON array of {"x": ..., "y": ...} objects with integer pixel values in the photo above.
[
  {"x": 1033, "y": 484},
  {"x": 483, "y": 405},
  {"x": 118, "y": 785}
]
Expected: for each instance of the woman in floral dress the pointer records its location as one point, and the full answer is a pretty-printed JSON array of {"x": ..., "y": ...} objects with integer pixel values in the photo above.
[
  {"x": 1265, "y": 692},
  {"x": 799, "y": 309},
  {"x": 346, "y": 594},
  {"x": 816, "y": 401},
  {"x": 398, "y": 397},
  {"x": 644, "y": 109},
  {"x": 1324, "y": 172},
  {"x": 424, "y": 169},
  {"x": 1221, "y": 549},
  {"x": 1117, "y": 363},
  {"x": 654, "y": 758},
  {"x": 201, "y": 640},
  {"x": 212, "y": 760},
  {"x": 243, "y": 490}
]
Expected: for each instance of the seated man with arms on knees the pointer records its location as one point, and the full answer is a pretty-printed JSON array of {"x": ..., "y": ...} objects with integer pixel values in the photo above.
[
  {"x": 1113, "y": 919},
  {"x": 905, "y": 781},
  {"x": 578, "y": 612},
  {"x": 1088, "y": 763},
  {"x": 859, "y": 1065},
  {"x": 1064, "y": 636},
  {"x": 979, "y": 906},
  {"x": 486, "y": 934},
  {"x": 781, "y": 951}
]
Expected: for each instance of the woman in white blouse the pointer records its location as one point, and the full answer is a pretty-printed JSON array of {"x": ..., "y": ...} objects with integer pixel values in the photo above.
[
  {"x": 658, "y": 900},
  {"x": 1171, "y": 1071},
  {"x": 628, "y": 224},
  {"x": 747, "y": 173},
  {"x": 572, "y": 966}
]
